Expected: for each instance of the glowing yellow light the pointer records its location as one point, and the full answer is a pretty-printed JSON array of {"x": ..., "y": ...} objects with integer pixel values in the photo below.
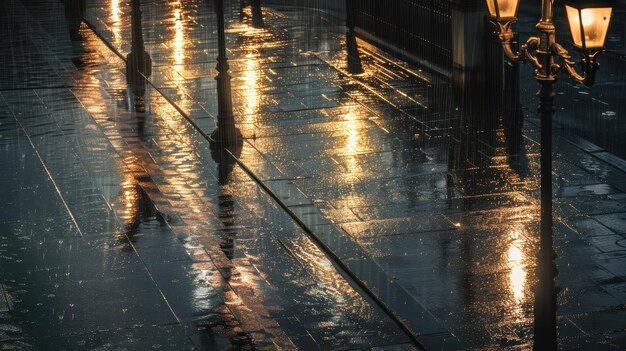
[
  {"x": 115, "y": 23},
  {"x": 595, "y": 24},
  {"x": 250, "y": 90},
  {"x": 352, "y": 125},
  {"x": 179, "y": 38},
  {"x": 517, "y": 276},
  {"x": 178, "y": 43},
  {"x": 587, "y": 17},
  {"x": 502, "y": 8}
]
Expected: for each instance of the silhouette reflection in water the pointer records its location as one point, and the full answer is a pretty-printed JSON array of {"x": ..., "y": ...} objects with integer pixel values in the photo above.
[
  {"x": 136, "y": 208},
  {"x": 74, "y": 12},
  {"x": 137, "y": 91},
  {"x": 225, "y": 159},
  {"x": 135, "y": 205}
]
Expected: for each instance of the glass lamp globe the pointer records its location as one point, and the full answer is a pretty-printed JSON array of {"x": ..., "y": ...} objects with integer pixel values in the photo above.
[{"x": 589, "y": 22}]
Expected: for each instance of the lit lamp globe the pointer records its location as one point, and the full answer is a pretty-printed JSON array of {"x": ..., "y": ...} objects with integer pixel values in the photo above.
[
  {"x": 589, "y": 23},
  {"x": 503, "y": 10}
]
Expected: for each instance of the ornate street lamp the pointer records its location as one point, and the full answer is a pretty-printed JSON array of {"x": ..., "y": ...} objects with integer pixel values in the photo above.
[{"x": 589, "y": 23}]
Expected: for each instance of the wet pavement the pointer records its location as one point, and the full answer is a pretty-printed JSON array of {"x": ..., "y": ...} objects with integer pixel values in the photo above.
[
  {"x": 118, "y": 234},
  {"x": 402, "y": 210}
]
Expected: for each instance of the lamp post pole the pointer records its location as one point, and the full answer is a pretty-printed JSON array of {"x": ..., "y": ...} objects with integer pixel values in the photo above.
[
  {"x": 544, "y": 312},
  {"x": 549, "y": 58},
  {"x": 350, "y": 15},
  {"x": 226, "y": 134}
]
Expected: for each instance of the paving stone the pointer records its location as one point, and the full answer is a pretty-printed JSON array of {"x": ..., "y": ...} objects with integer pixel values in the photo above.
[{"x": 431, "y": 210}]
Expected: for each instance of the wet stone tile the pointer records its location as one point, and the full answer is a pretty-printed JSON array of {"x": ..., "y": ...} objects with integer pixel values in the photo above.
[
  {"x": 615, "y": 222},
  {"x": 52, "y": 308},
  {"x": 590, "y": 227},
  {"x": 595, "y": 189},
  {"x": 609, "y": 243},
  {"x": 137, "y": 338},
  {"x": 590, "y": 299}
]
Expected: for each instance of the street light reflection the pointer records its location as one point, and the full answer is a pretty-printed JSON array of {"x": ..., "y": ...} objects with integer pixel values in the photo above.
[
  {"x": 179, "y": 38},
  {"x": 517, "y": 275},
  {"x": 178, "y": 43},
  {"x": 329, "y": 280},
  {"x": 128, "y": 211},
  {"x": 250, "y": 89},
  {"x": 116, "y": 14},
  {"x": 354, "y": 142}
]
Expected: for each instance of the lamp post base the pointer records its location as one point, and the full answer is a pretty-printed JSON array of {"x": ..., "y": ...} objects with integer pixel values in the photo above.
[
  {"x": 225, "y": 157},
  {"x": 354, "y": 60},
  {"x": 230, "y": 139},
  {"x": 224, "y": 150}
]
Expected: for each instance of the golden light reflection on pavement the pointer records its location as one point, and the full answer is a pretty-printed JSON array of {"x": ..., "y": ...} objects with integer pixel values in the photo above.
[{"x": 116, "y": 15}]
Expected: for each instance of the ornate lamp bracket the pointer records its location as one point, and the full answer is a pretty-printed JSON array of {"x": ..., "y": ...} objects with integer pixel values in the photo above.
[
  {"x": 506, "y": 35},
  {"x": 588, "y": 62}
]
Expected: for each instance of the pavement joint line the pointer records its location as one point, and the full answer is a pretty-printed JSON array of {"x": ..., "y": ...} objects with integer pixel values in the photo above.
[
  {"x": 334, "y": 258},
  {"x": 54, "y": 183},
  {"x": 342, "y": 267},
  {"x": 289, "y": 251}
]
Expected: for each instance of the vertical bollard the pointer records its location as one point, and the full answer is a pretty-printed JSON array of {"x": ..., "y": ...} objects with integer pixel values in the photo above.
[
  {"x": 354, "y": 60},
  {"x": 138, "y": 61},
  {"x": 257, "y": 14},
  {"x": 226, "y": 135}
]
